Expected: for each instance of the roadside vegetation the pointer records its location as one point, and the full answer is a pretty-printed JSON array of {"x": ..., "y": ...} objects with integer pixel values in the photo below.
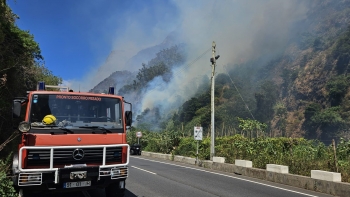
[{"x": 299, "y": 154}]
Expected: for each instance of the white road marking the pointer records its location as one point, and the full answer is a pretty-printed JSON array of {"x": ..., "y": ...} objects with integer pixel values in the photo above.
[
  {"x": 229, "y": 177},
  {"x": 144, "y": 170}
]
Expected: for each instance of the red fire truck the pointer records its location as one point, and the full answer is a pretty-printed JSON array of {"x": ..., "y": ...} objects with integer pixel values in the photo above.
[{"x": 71, "y": 141}]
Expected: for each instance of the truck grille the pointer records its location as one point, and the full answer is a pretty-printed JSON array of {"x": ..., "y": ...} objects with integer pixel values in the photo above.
[{"x": 41, "y": 157}]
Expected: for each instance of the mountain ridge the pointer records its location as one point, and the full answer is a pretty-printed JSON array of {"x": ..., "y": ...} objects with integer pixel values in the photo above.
[{"x": 134, "y": 64}]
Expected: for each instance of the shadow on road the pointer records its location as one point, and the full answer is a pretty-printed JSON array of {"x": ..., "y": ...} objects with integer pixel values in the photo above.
[
  {"x": 101, "y": 193},
  {"x": 128, "y": 193},
  {"x": 89, "y": 193}
]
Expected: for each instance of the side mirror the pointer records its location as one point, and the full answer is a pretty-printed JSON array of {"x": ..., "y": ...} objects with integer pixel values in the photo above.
[
  {"x": 16, "y": 109},
  {"x": 128, "y": 118}
]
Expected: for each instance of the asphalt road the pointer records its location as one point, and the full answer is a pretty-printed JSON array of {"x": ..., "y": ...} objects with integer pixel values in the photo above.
[{"x": 152, "y": 178}]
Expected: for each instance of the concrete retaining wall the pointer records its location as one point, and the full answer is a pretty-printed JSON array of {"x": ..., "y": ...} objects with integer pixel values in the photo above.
[
  {"x": 329, "y": 187},
  {"x": 157, "y": 155},
  {"x": 183, "y": 159}
]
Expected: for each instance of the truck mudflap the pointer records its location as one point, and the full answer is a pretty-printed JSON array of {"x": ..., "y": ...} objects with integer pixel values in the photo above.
[{"x": 73, "y": 172}]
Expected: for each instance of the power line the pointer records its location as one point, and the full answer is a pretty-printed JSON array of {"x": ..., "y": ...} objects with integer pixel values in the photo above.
[
  {"x": 180, "y": 71},
  {"x": 239, "y": 93},
  {"x": 189, "y": 64}
]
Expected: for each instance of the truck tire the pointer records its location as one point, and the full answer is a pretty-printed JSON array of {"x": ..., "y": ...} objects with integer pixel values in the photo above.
[
  {"x": 25, "y": 193},
  {"x": 21, "y": 193},
  {"x": 113, "y": 190},
  {"x": 14, "y": 169}
]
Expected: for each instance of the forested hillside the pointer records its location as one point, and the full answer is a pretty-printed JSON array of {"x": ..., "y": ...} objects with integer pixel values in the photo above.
[
  {"x": 301, "y": 91},
  {"x": 117, "y": 79},
  {"x": 159, "y": 69}
]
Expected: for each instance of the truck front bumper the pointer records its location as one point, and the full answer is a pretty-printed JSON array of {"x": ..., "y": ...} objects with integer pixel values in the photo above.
[
  {"x": 95, "y": 177},
  {"x": 51, "y": 178}
]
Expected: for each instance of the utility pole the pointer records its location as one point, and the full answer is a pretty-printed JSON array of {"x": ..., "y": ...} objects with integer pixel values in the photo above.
[{"x": 213, "y": 64}]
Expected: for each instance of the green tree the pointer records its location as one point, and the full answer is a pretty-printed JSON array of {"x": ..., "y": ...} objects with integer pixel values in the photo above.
[
  {"x": 341, "y": 52},
  {"x": 337, "y": 88},
  {"x": 311, "y": 110},
  {"x": 265, "y": 100},
  {"x": 251, "y": 126},
  {"x": 281, "y": 113},
  {"x": 328, "y": 117}
]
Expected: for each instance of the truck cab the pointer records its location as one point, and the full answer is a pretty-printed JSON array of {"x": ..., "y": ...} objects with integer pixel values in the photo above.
[{"x": 71, "y": 141}]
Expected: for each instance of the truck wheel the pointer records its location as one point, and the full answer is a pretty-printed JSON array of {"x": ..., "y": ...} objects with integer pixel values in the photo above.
[
  {"x": 24, "y": 193},
  {"x": 113, "y": 190},
  {"x": 21, "y": 193},
  {"x": 14, "y": 169}
]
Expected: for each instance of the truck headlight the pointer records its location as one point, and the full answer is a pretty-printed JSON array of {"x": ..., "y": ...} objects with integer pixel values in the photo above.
[{"x": 24, "y": 127}]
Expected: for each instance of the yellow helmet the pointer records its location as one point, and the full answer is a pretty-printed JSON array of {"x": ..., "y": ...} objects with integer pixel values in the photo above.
[{"x": 49, "y": 119}]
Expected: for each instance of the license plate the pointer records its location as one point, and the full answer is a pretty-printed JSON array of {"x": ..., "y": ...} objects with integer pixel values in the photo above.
[{"x": 77, "y": 184}]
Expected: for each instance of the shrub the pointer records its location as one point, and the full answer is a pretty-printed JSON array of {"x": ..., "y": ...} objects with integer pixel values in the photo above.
[
  {"x": 299, "y": 154},
  {"x": 6, "y": 185},
  {"x": 337, "y": 88},
  {"x": 311, "y": 110},
  {"x": 329, "y": 116}
]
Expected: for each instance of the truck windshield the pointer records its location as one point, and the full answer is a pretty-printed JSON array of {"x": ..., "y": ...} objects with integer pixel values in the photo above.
[{"x": 75, "y": 111}]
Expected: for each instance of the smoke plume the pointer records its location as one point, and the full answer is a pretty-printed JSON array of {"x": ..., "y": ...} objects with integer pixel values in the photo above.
[{"x": 242, "y": 30}]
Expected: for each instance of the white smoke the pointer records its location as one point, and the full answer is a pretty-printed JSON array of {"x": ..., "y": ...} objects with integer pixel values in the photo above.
[
  {"x": 241, "y": 30},
  {"x": 140, "y": 24}
]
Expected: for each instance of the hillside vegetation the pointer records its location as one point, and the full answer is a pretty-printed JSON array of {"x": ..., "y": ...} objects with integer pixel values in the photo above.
[
  {"x": 299, "y": 154},
  {"x": 303, "y": 91},
  {"x": 294, "y": 103}
]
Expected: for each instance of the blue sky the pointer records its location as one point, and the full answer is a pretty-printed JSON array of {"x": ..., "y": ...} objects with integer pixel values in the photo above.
[{"x": 76, "y": 36}]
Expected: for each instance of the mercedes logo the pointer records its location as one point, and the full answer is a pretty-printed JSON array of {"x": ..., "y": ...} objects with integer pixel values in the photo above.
[
  {"x": 78, "y": 154},
  {"x": 79, "y": 139}
]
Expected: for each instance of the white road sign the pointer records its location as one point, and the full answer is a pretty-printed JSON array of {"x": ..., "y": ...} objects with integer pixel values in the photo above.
[
  {"x": 198, "y": 133},
  {"x": 138, "y": 134}
]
